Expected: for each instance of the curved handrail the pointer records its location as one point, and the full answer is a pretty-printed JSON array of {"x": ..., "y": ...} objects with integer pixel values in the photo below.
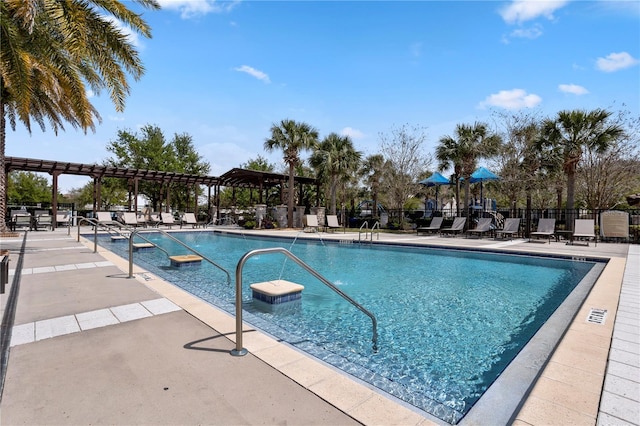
[
  {"x": 239, "y": 350},
  {"x": 364, "y": 225},
  {"x": 132, "y": 232},
  {"x": 375, "y": 226},
  {"x": 197, "y": 253}
]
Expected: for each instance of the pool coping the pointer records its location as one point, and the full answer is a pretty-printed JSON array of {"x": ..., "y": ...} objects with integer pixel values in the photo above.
[{"x": 370, "y": 406}]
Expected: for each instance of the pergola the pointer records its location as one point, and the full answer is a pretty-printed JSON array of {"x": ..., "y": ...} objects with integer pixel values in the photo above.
[{"x": 234, "y": 178}]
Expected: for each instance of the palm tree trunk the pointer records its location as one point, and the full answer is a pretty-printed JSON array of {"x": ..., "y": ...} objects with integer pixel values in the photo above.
[
  {"x": 571, "y": 185},
  {"x": 332, "y": 195},
  {"x": 291, "y": 194}
]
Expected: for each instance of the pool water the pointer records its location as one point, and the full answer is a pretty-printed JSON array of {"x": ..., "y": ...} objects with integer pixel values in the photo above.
[{"x": 449, "y": 321}]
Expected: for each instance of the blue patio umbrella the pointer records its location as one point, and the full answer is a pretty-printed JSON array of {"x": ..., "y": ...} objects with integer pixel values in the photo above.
[
  {"x": 436, "y": 180},
  {"x": 480, "y": 175}
]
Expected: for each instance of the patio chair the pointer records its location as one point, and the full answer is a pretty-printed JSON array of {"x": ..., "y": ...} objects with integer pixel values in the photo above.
[
  {"x": 614, "y": 224},
  {"x": 434, "y": 226},
  {"x": 189, "y": 219},
  {"x": 311, "y": 223},
  {"x": 511, "y": 228},
  {"x": 583, "y": 228},
  {"x": 130, "y": 219},
  {"x": 457, "y": 227},
  {"x": 42, "y": 219},
  {"x": 22, "y": 219},
  {"x": 167, "y": 219},
  {"x": 546, "y": 228},
  {"x": 483, "y": 226},
  {"x": 63, "y": 218},
  {"x": 104, "y": 218},
  {"x": 332, "y": 222}
]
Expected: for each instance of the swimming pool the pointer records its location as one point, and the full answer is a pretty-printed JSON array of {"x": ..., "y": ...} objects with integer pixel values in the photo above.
[{"x": 449, "y": 321}]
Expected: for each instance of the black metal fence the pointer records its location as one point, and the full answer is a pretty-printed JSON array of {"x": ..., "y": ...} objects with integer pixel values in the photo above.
[{"x": 391, "y": 219}]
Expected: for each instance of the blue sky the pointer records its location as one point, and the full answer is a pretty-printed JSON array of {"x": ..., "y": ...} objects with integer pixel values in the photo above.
[{"x": 224, "y": 72}]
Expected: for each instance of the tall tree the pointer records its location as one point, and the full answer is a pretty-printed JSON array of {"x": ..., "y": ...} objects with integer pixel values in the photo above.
[
  {"x": 403, "y": 151},
  {"x": 151, "y": 151},
  {"x": 373, "y": 171},
  {"x": 571, "y": 132},
  {"x": 472, "y": 143},
  {"x": 291, "y": 137},
  {"x": 51, "y": 52},
  {"x": 27, "y": 187},
  {"x": 338, "y": 160}
]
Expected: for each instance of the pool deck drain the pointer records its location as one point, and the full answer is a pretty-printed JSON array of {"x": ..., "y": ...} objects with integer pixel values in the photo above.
[{"x": 570, "y": 388}]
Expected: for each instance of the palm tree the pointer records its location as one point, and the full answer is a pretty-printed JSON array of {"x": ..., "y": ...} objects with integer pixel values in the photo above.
[
  {"x": 50, "y": 51},
  {"x": 337, "y": 159},
  {"x": 373, "y": 169},
  {"x": 292, "y": 137},
  {"x": 473, "y": 142},
  {"x": 573, "y": 131}
]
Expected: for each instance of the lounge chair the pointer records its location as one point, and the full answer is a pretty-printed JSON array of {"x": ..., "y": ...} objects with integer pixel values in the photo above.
[
  {"x": 42, "y": 220},
  {"x": 189, "y": 219},
  {"x": 332, "y": 222},
  {"x": 434, "y": 226},
  {"x": 511, "y": 228},
  {"x": 130, "y": 219},
  {"x": 546, "y": 228},
  {"x": 311, "y": 223},
  {"x": 583, "y": 228},
  {"x": 154, "y": 219},
  {"x": 167, "y": 219},
  {"x": 104, "y": 218},
  {"x": 20, "y": 219},
  {"x": 457, "y": 227},
  {"x": 614, "y": 224},
  {"x": 483, "y": 226},
  {"x": 63, "y": 218},
  {"x": 142, "y": 220}
]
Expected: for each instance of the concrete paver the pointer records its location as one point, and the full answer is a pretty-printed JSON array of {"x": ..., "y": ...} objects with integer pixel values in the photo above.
[{"x": 165, "y": 359}]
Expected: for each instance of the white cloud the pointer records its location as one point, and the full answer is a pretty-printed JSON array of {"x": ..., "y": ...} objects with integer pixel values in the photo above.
[
  {"x": 254, "y": 73},
  {"x": 194, "y": 8},
  {"x": 352, "y": 133},
  {"x": 531, "y": 33},
  {"x": 573, "y": 88},
  {"x": 116, "y": 118},
  {"x": 520, "y": 11},
  {"x": 89, "y": 93},
  {"x": 615, "y": 62},
  {"x": 511, "y": 99}
]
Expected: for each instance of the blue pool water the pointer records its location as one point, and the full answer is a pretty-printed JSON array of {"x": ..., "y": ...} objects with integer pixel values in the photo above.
[{"x": 449, "y": 321}]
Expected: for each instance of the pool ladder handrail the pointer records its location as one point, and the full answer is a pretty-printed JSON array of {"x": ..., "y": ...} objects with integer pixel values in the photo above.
[
  {"x": 131, "y": 232},
  {"x": 239, "y": 350},
  {"x": 136, "y": 232},
  {"x": 111, "y": 229},
  {"x": 367, "y": 232}
]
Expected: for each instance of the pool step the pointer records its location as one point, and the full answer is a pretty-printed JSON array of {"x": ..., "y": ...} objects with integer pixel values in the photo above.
[
  {"x": 277, "y": 291},
  {"x": 143, "y": 246},
  {"x": 185, "y": 260}
]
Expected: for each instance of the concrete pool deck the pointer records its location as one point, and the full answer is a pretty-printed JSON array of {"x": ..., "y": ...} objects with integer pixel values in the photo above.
[{"x": 90, "y": 345}]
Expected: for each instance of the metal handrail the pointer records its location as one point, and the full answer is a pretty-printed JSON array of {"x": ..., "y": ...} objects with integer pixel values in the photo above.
[
  {"x": 375, "y": 225},
  {"x": 197, "y": 253},
  {"x": 364, "y": 225},
  {"x": 239, "y": 350},
  {"x": 134, "y": 232},
  {"x": 95, "y": 224}
]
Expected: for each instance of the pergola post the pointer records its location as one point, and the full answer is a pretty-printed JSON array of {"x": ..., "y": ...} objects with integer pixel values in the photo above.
[
  {"x": 97, "y": 194},
  {"x": 54, "y": 199}
]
